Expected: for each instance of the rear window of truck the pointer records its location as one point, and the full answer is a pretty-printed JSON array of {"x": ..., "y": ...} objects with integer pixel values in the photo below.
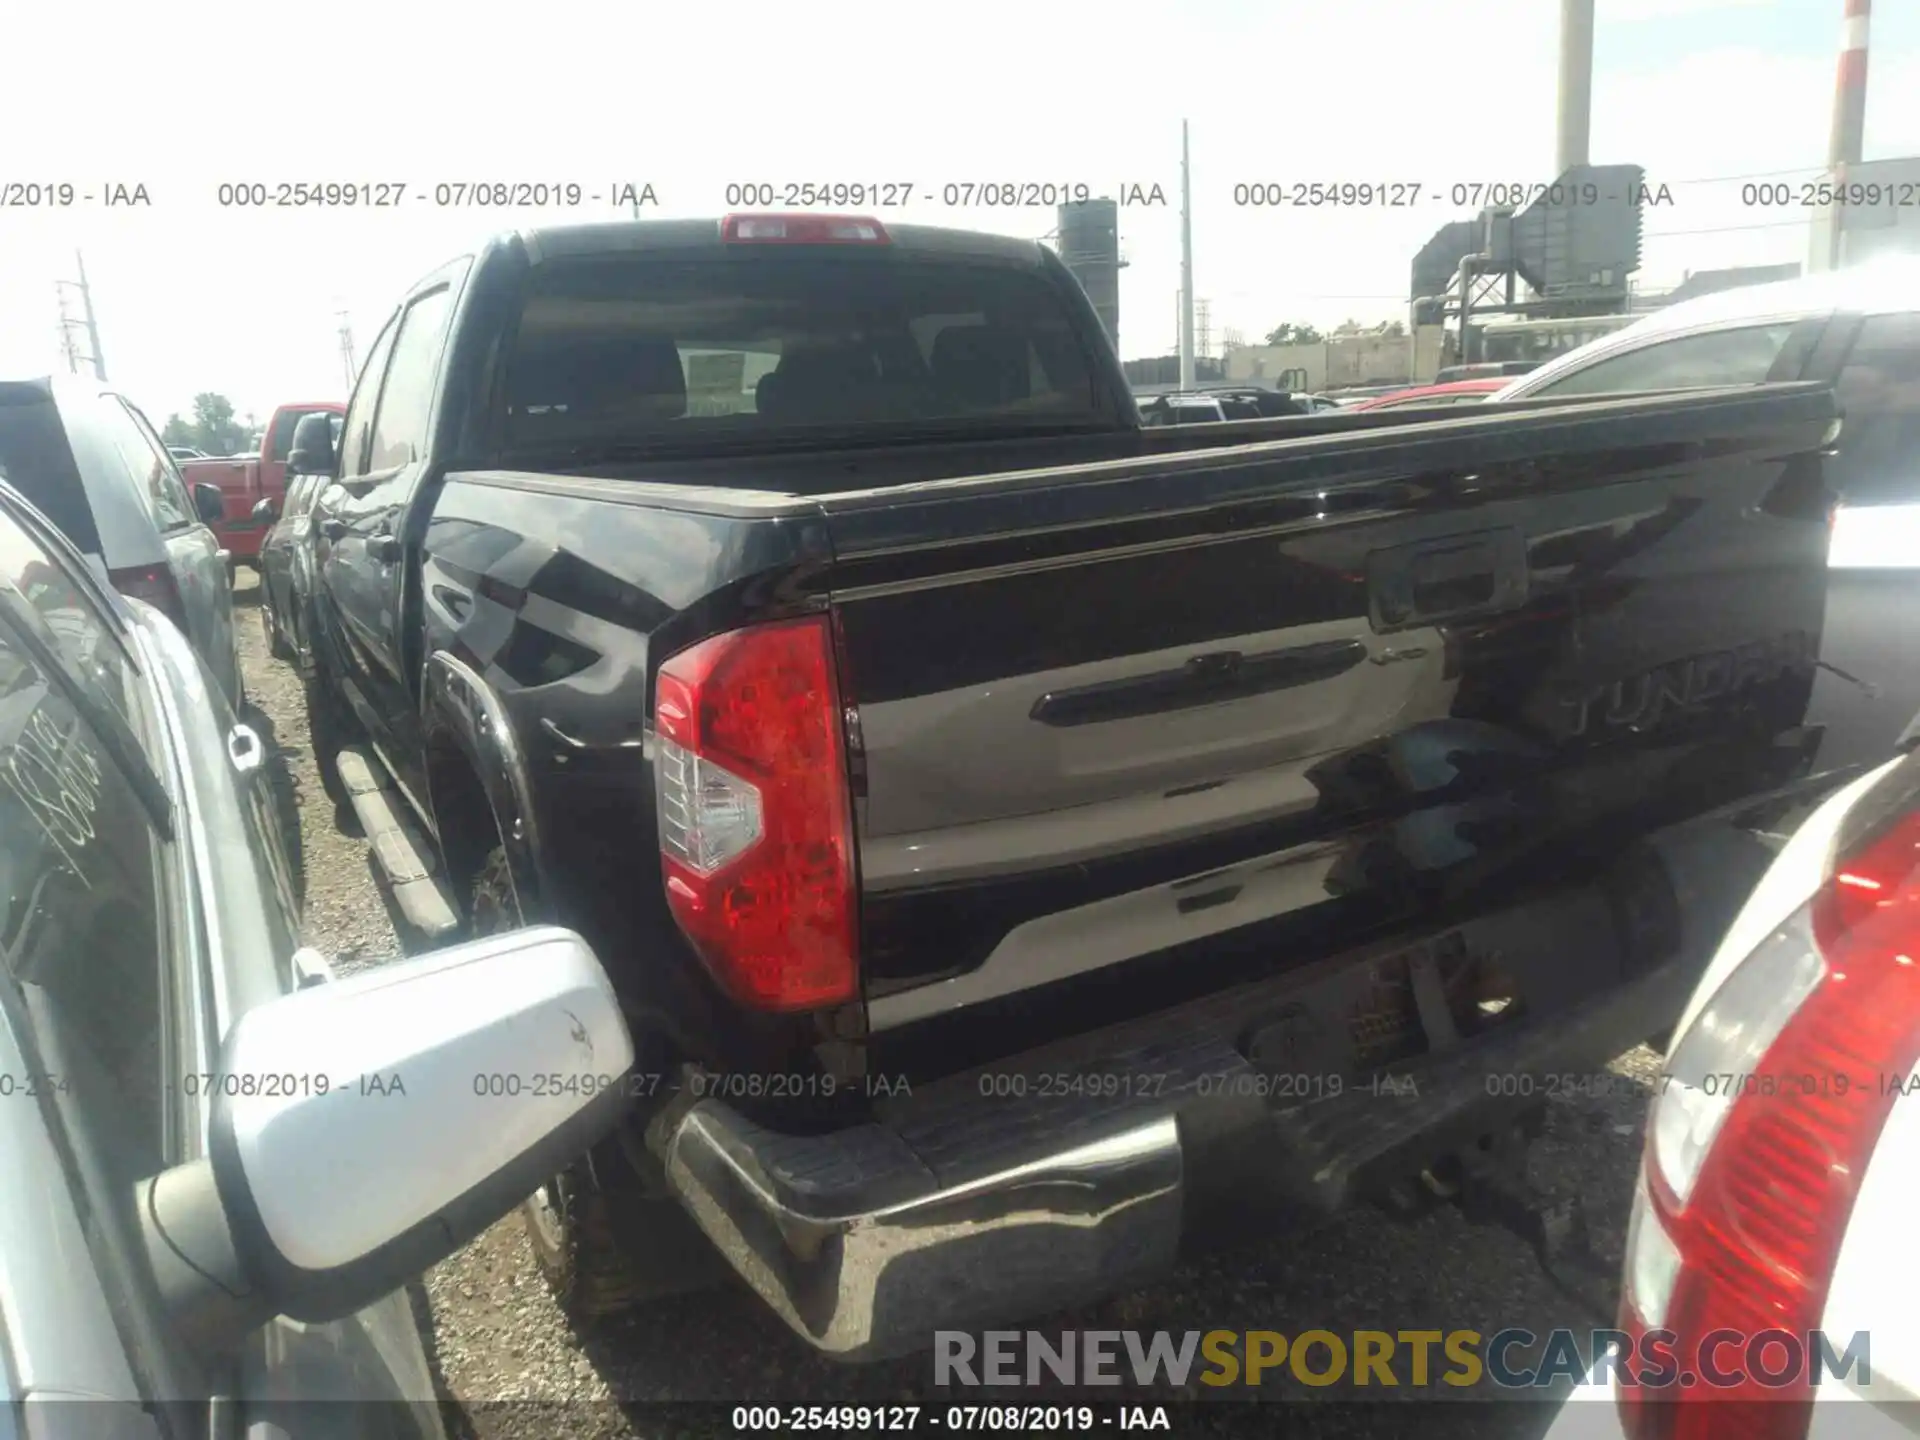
[
  {"x": 654, "y": 351},
  {"x": 36, "y": 459},
  {"x": 279, "y": 443}
]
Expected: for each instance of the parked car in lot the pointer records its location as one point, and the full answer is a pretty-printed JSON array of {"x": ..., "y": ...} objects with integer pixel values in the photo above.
[
  {"x": 87, "y": 457},
  {"x": 1181, "y": 410},
  {"x": 222, "y": 1164},
  {"x": 1499, "y": 369},
  {"x": 981, "y": 797},
  {"x": 286, "y": 568},
  {"x": 186, "y": 452},
  {"x": 1453, "y": 392},
  {"x": 1857, "y": 330},
  {"x": 1776, "y": 1192},
  {"x": 245, "y": 480}
]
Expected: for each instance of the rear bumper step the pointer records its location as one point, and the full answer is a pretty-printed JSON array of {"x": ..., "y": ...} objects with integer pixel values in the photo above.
[
  {"x": 959, "y": 1209},
  {"x": 865, "y": 1248},
  {"x": 964, "y": 1208}
]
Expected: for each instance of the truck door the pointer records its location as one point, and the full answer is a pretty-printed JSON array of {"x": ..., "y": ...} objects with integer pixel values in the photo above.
[{"x": 360, "y": 529}]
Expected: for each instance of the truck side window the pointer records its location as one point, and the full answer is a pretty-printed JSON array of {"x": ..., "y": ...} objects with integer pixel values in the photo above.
[
  {"x": 151, "y": 470},
  {"x": 400, "y": 423},
  {"x": 358, "y": 428},
  {"x": 1879, "y": 394},
  {"x": 167, "y": 470}
]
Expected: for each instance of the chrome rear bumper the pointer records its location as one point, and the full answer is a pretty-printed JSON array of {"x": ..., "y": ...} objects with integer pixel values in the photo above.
[
  {"x": 962, "y": 1211},
  {"x": 859, "y": 1247}
]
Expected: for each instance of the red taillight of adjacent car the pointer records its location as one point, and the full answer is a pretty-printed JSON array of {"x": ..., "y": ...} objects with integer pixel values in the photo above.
[
  {"x": 155, "y": 585},
  {"x": 1757, "y": 1145},
  {"x": 756, "y": 830}
]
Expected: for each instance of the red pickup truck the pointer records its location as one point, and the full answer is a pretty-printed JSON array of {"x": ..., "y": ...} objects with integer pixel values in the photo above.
[{"x": 246, "y": 480}]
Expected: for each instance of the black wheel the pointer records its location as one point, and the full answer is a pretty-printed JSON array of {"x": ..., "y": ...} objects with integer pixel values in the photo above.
[
  {"x": 330, "y": 729},
  {"x": 277, "y": 645},
  {"x": 603, "y": 1244}
]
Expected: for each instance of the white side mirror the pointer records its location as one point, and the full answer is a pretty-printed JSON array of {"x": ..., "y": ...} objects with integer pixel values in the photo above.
[{"x": 363, "y": 1130}]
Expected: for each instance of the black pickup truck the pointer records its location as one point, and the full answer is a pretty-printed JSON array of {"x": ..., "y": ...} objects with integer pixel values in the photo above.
[{"x": 1026, "y": 842}]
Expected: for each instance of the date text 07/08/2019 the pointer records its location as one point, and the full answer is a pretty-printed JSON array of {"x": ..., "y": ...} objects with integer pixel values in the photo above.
[{"x": 1014, "y": 1419}]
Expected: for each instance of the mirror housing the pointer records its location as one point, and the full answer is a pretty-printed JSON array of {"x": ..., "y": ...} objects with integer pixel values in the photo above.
[
  {"x": 210, "y": 501},
  {"x": 358, "y": 1133},
  {"x": 264, "y": 510},
  {"x": 312, "y": 452}
]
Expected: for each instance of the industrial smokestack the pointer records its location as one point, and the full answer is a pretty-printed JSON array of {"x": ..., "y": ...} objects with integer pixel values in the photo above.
[
  {"x": 1186, "y": 265},
  {"x": 1845, "y": 146},
  {"x": 1850, "y": 90},
  {"x": 1576, "y": 84}
]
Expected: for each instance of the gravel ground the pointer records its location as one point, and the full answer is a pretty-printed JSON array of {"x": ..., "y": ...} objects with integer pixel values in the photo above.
[{"x": 495, "y": 1336}]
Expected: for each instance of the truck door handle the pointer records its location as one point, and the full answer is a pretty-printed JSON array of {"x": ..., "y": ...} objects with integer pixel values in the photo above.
[
  {"x": 1448, "y": 578},
  {"x": 333, "y": 529},
  {"x": 383, "y": 548}
]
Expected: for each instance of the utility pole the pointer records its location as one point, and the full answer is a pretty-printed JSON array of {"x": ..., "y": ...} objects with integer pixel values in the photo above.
[
  {"x": 87, "y": 320},
  {"x": 1203, "y": 331},
  {"x": 346, "y": 348},
  {"x": 1186, "y": 263},
  {"x": 69, "y": 351}
]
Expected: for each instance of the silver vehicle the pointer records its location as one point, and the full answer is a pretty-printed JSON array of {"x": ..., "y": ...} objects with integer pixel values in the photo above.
[
  {"x": 220, "y": 1163},
  {"x": 1858, "y": 330},
  {"x": 1181, "y": 410},
  {"x": 89, "y": 460}
]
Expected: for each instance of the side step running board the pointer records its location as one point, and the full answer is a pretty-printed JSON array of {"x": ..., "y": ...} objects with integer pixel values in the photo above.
[{"x": 403, "y": 857}]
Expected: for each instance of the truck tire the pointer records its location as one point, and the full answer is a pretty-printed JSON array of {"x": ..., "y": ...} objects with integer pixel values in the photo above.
[
  {"x": 277, "y": 645},
  {"x": 603, "y": 1244},
  {"x": 330, "y": 728}
]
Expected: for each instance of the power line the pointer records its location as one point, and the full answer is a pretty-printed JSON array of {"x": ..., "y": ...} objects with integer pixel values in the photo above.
[
  {"x": 1724, "y": 229},
  {"x": 1756, "y": 175}
]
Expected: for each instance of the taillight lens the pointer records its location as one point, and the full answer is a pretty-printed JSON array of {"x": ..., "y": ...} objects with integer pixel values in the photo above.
[
  {"x": 756, "y": 833},
  {"x": 155, "y": 585},
  {"x": 1757, "y": 1144}
]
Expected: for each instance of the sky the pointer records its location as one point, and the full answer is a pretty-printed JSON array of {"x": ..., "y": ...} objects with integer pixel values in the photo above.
[{"x": 192, "y": 296}]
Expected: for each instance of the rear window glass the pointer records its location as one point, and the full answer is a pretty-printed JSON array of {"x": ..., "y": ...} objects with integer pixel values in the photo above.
[
  {"x": 36, "y": 460},
  {"x": 656, "y": 351},
  {"x": 280, "y": 438}
]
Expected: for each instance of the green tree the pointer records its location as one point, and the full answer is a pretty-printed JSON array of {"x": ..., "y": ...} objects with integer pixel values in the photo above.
[
  {"x": 1294, "y": 335},
  {"x": 213, "y": 427}
]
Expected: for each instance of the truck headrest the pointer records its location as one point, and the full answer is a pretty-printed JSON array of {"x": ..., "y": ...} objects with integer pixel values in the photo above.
[
  {"x": 624, "y": 377},
  {"x": 982, "y": 365}
]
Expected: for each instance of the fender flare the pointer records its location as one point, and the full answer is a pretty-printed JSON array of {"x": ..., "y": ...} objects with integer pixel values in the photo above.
[{"x": 460, "y": 704}]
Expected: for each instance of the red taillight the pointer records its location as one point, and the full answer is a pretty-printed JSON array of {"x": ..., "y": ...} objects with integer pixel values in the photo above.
[
  {"x": 1746, "y": 1194},
  {"x": 155, "y": 585},
  {"x": 756, "y": 832},
  {"x": 803, "y": 229}
]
